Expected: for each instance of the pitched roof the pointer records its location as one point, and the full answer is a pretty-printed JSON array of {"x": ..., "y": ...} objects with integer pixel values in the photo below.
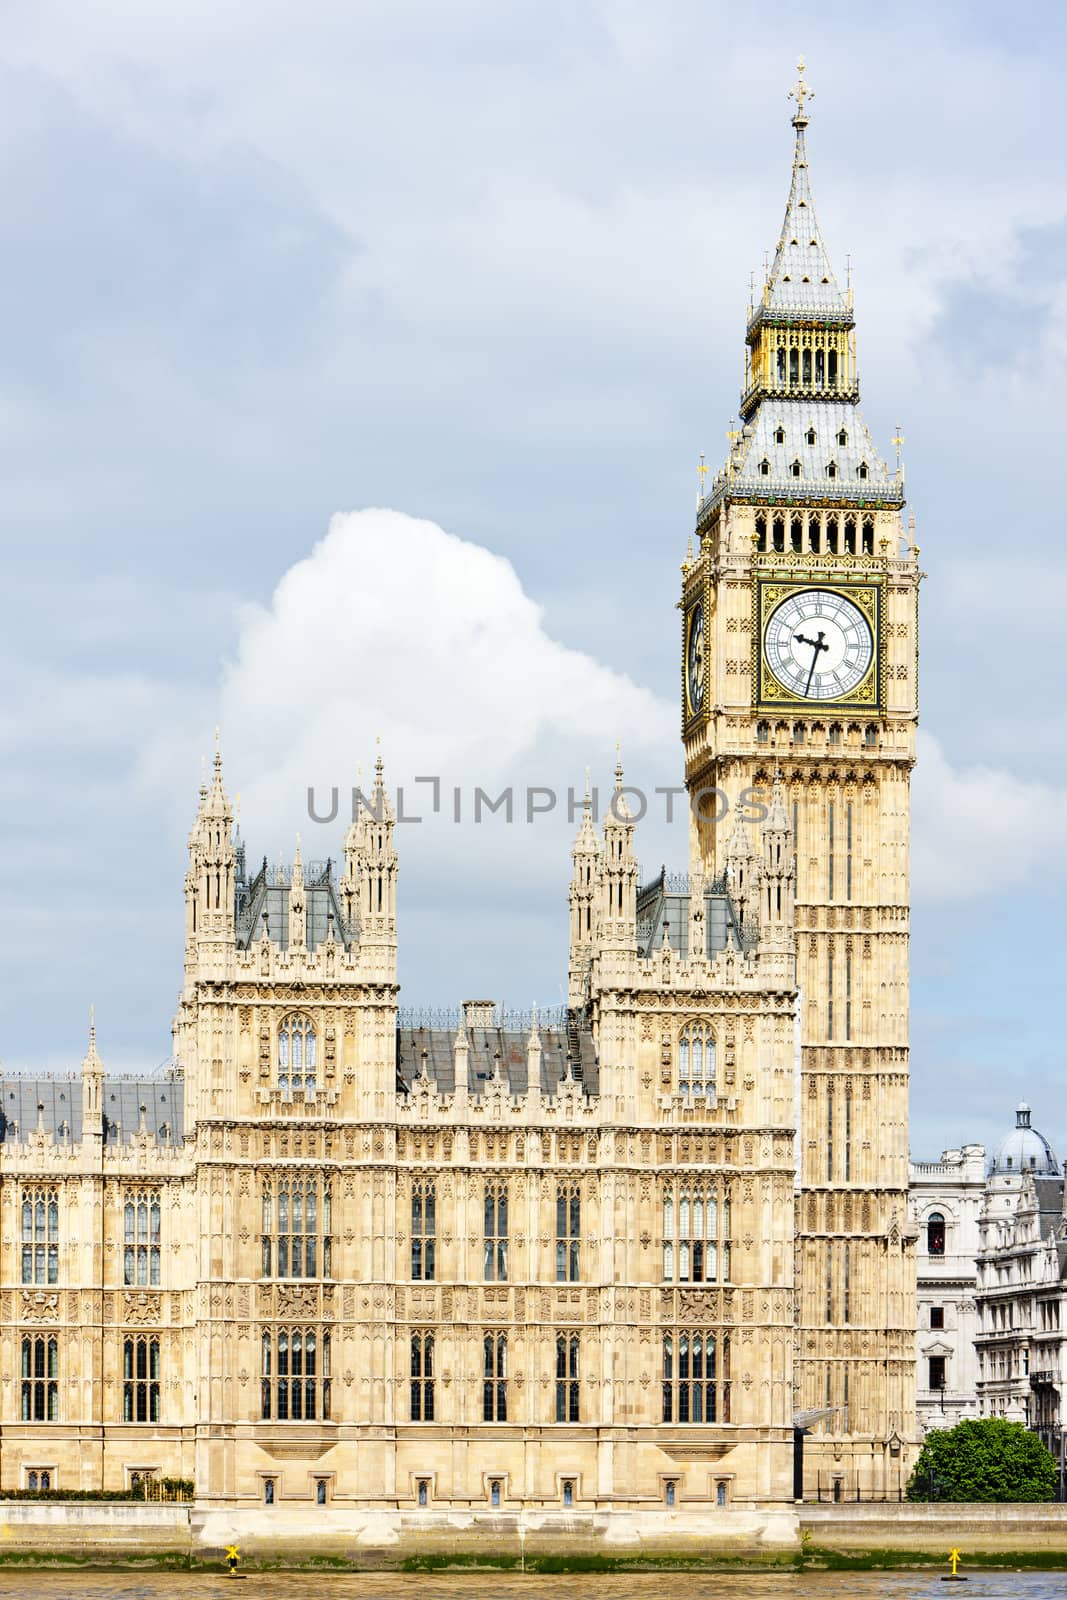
[{"x": 801, "y": 280}]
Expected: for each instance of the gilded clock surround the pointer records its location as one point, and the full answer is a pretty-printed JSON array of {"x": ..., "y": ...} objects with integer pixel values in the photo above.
[{"x": 768, "y": 592}]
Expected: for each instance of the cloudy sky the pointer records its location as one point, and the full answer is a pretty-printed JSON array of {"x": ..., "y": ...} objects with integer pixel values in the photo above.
[{"x": 355, "y": 361}]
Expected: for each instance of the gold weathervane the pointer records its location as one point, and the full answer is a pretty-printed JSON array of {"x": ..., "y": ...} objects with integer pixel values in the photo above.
[{"x": 800, "y": 92}]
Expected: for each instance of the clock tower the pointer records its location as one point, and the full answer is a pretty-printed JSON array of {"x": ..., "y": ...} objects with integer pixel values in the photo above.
[{"x": 800, "y": 655}]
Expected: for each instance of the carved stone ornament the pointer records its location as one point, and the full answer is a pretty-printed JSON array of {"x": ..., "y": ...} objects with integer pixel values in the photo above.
[
  {"x": 140, "y": 1310},
  {"x": 39, "y": 1307}
]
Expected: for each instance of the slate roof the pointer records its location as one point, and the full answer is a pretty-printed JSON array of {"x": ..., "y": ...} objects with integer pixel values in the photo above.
[
  {"x": 61, "y": 1098},
  {"x": 796, "y": 419},
  {"x": 801, "y": 281},
  {"x": 663, "y": 917},
  {"x": 269, "y": 891},
  {"x": 434, "y": 1049}
]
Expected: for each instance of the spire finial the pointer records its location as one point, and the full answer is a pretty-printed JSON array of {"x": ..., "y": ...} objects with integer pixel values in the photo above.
[
  {"x": 588, "y": 789},
  {"x": 702, "y": 472},
  {"x": 218, "y": 749},
  {"x": 618, "y": 765},
  {"x": 800, "y": 92},
  {"x": 92, "y": 1025}
]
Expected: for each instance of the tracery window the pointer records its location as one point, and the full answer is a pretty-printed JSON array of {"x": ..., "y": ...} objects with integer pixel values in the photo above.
[
  {"x": 495, "y": 1377},
  {"x": 295, "y": 1375},
  {"x": 423, "y": 1231},
  {"x": 696, "y": 1062},
  {"x": 568, "y": 1379},
  {"x": 40, "y": 1236},
  {"x": 422, "y": 1378},
  {"x": 141, "y": 1216},
  {"x": 140, "y": 1380},
  {"x": 297, "y": 1056},
  {"x": 296, "y": 1220},
  {"x": 496, "y": 1233},
  {"x": 568, "y": 1233},
  {"x": 696, "y": 1376},
  {"x": 40, "y": 1378},
  {"x": 696, "y": 1231}
]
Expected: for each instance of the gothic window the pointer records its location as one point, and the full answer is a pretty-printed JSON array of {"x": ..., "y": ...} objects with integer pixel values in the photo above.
[
  {"x": 296, "y": 1217},
  {"x": 831, "y": 469},
  {"x": 696, "y": 1232},
  {"x": 39, "y": 1479},
  {"x": 831, "y": 535},
  {"x": 850, "y": 536},
  {"x": 496, "y": 1233},
  {"x": 868, "y": 536},
  {"x": 763, "y": 732},
  {"x": 297, "y": 1056},
  {"x": 670, "y": 1492},
  {"x": 794, "y": 365},
  {"x": 765, "y": 468},
  {"x": 806, "y": 368},
  {"x": 141, "y": 1238},
  {"x": 568, "y": 1232},
  {"x": 696, "y": 1376},
  {"x": 40, "y": 1378},
  {"x": 831, "y": 369},
  {"x": 296, "y": 1375},
  {"x": 842, "y": 437},
  {"x": 820, "y": 369},
  {"x": 794, "y": 469},
  {"x": 568, "y": 1382},
  {"x": 780, "y": 365},
  {"x": 40, "y": 1236},
  {"x": 696, "y": 1062},
  {"x": 779, "y": 434},
  {"x": 140, "y": 1380},
  {"x": 861, "y": 471},
  {"x": 935, "y": 1234},
  {"x": 778, "y": 533},
  {"x": 568, "y": 1492},
  {"x": 811, "y": 436},
  {"x": 423, "y": 1231},
  {"x": 495, "y": 1377},
  {"x": 796, "y": 535},
  {"x": 761, "y": 531},
  {"x": 422, "y": 1379}
]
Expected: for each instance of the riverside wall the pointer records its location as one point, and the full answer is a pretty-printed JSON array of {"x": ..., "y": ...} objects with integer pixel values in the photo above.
[{"x": 116, "y": 1533}]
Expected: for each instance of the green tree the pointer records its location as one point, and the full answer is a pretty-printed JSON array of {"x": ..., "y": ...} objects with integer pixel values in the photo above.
[{"x": 988, "y": 1459}]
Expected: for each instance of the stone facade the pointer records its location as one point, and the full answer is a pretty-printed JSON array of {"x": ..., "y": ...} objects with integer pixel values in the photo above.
[
  {"x": 606, "y": 1259},
  {"x": 947, "y": 1199}
]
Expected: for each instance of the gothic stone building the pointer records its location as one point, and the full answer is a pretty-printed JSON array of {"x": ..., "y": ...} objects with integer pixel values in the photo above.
[{"x": 612, "y": 1258}]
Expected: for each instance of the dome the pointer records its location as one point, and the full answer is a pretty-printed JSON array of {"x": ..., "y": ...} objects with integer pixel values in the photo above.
[{"x": 1025, "y": 1150}]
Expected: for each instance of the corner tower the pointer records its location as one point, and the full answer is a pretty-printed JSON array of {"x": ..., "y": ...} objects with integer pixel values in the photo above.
[{"x": 800, "y": 655}]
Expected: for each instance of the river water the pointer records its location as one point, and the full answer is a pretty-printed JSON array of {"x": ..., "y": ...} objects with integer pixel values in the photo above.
[{"x": 490, "y": 1586}]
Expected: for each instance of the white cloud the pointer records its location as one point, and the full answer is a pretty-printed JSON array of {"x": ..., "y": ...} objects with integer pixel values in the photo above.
[{"x": 979, "y": 830}]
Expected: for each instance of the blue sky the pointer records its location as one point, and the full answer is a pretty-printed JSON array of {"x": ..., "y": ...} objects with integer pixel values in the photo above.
[{"x": 488, "y": 266}]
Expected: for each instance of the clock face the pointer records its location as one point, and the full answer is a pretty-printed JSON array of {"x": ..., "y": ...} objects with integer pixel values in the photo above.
[
  {"x": 818, "y": 644},
  {"x": 695, "y": 659}
]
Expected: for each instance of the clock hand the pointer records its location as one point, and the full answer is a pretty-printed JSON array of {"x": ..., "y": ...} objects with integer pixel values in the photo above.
[{"x": 816, "y": 646}]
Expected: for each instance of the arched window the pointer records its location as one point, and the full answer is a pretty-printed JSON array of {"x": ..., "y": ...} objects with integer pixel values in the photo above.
[
  {"x": 935, "y": 1234},
  {"x": 40, "y": 1236},
  {"x": 422, "y": 1379},
  {"x": 696, "y": 1062},
  {"x": 811, "y": 435},
  {"x": 765, "y": 468},
  {"x": 794, "y": 469},
  {"x": 141, "y": 1221},
  {"x": 831, "y": 469},
  {"x": 842, "y": 437},
  {"x": 296, "y": 1240},
  {"x": 779, "y": 434},
  {"x": 696, "y": 1383},
  {"x": 696, "y": 1232},
  {"x": 495, "y": 1379},
  {"x": 40, "y": 1379},
  {"x": 861, "y": 471},
  {"x": 297, "y": 1056},
  {"x": 140, "y": 1380},
  {"x": 761, "y": 531},
  {"x": 295, "y": 1375}
]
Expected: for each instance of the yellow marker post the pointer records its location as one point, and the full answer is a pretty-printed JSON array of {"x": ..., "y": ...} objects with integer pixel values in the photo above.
[
  {"x": 233, "y": 1556},
  {"x": 954, "y": 1576}
]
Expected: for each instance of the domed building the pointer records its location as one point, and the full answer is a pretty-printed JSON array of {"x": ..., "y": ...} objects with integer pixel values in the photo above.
[{"x": 1024, "y": 1150}]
